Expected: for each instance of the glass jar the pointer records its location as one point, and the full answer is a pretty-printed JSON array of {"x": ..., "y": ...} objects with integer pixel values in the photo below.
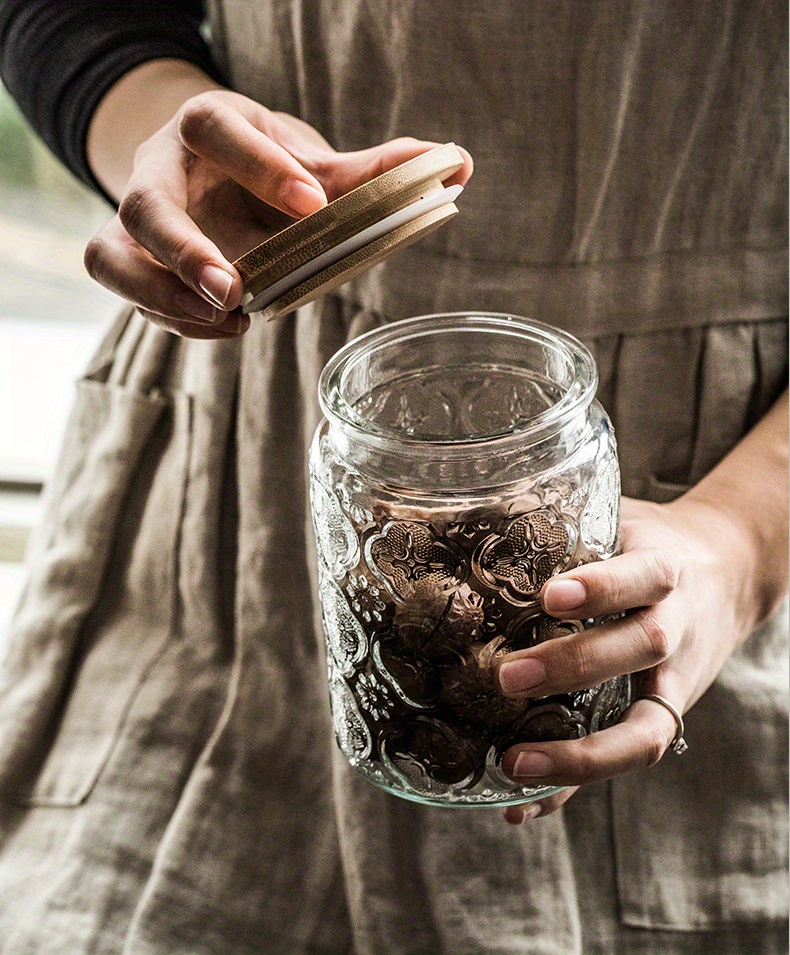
[{"x": 462, "y": 462}]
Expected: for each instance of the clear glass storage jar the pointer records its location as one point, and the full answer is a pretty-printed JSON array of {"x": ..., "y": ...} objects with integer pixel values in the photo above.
[{"x": 462, "y": 461}]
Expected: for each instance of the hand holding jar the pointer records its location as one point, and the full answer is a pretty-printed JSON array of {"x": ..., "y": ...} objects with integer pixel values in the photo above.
[
  {"x": 482, "y": 620},
  {"x": 693, "y": 585}
]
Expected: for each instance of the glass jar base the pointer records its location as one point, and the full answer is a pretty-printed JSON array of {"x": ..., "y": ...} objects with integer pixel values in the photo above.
[{"x": 479, "y": 801}]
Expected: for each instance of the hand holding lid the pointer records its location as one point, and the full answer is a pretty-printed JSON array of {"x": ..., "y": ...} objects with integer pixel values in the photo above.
[
  {"x": 349, "y": 235},
  {"x": 222, "y": 175}
]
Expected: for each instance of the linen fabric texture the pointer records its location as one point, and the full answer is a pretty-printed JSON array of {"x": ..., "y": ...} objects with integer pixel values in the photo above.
[{"x": 169, "y": 778}]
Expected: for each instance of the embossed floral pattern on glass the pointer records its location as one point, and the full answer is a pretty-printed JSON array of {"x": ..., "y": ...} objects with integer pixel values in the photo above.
[{"x": 424, "y": 589}]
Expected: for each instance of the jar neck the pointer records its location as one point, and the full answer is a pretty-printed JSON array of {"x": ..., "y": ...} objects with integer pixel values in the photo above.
[
  {"x": 458, "y": 401},
  {"x": 456, "y": 467}
]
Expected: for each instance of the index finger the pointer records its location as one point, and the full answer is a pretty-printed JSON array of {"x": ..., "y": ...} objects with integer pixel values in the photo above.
[
  {"x": 637, "y": 578},
  {"x": 212, "y": 129}
]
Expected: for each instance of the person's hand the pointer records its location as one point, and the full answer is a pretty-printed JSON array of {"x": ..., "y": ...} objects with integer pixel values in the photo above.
[
  {"x": 687, "y": 579},
  {"x": 221, "y": 176}
]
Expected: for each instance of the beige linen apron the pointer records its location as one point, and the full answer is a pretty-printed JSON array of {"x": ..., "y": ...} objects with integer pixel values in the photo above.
[{"x": 169, "y": 779}]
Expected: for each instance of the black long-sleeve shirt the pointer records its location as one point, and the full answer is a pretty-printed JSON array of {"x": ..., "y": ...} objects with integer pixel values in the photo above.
[{"x": 59, "y": 57}]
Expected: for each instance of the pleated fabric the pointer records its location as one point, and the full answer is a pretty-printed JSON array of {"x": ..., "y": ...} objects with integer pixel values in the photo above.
[{"x": 168, "y": 774}]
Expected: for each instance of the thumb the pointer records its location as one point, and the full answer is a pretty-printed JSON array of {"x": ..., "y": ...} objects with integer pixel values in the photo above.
[{"x": 356, "y": 168}]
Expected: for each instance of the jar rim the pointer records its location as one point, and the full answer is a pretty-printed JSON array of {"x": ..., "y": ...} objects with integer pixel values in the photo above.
[{"x": 574, "y": 399}]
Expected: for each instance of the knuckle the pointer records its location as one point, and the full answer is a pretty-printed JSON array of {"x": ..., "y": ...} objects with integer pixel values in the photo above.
[
  {"x": 322, "y": 163},
  {"x": 198, "y": 115},
  {"x": 665, "y": 572},
  {"x": 653, "y": 747},
  {"x": 580, "y": 660},
  {"x": 612, "y": 586},
  {"x": 656, "y": 640},
  {"x": 94, "y": 257},
  {"x": 135, "y": 208},
  {"x": 584, "y": 765}
]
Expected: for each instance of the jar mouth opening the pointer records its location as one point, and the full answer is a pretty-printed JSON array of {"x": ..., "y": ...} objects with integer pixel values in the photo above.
[{"x": 535, "y": 379}]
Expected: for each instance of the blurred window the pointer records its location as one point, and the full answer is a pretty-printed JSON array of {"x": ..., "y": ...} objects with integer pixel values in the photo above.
[{"x": 52, "y": 316}]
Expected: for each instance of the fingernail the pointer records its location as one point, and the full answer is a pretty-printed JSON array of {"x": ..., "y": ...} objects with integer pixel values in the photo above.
[
  {"x": 532, "y": 811},
  {"x": 235, "y": 324},
  {"x": 198, "y": 308},
  {"x": 516, "y": 676},
  {"x": 533, "y": 764},
  {"x": 216, "y": 283},
  {"x": 302, "y": 198},
  {"x": 562, "y": 595}
]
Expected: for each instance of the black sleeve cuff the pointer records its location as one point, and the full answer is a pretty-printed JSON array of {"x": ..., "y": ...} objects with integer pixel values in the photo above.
[{"x": 59, "y": 59}]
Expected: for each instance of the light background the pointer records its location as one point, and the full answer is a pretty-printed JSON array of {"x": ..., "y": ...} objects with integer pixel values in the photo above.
[{"x": 52, "y": 316}]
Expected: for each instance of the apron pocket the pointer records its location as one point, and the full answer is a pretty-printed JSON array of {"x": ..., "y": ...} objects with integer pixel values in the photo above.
[{"x": 98, "y": 607}]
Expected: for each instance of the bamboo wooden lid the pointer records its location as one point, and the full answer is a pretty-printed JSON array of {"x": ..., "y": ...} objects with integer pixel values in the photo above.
[{"x": 316, "y": 254}]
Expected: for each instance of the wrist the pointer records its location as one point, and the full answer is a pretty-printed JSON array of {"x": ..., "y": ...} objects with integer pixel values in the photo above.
[
  {"x": 743, "y": 504},
  {"x": 134, "y": 108},
  {"x": 722, "y": 539}
]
